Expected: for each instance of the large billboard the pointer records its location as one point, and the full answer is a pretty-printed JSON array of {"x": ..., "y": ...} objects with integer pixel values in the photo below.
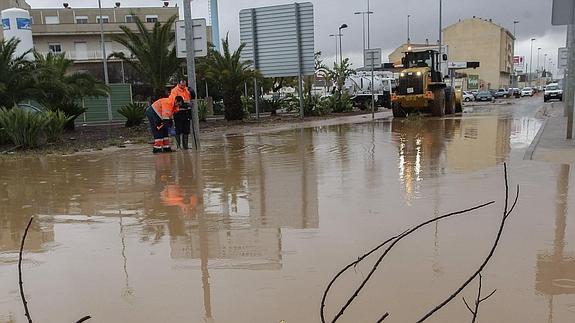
[{"x": 519, "y": 63}]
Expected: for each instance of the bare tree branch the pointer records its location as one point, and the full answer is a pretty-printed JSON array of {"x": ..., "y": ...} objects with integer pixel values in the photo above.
[
  {"x": 393, "y": 241},
  {"x": 24, "y": 301},
  {"x": 488, "y": 296},
  {"x": 506, "y": 214},
  {"x": 467, "y": 305},
  {"x": 85, "y": 318},
  {"x": 383, "y": 317}
]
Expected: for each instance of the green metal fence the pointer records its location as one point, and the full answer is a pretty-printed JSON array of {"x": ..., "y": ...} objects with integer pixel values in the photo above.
[{"x": 120, "y": 94}]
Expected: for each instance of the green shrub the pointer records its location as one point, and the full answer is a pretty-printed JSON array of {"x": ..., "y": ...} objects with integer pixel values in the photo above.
[
  {"x": 337, "y": 103},
  {"x": 22, "y": 127},
  {"x": 248, "y": 105},
  {"x": 55, "y": 125},
  {"x": 202, "y": 110},
  {"x": 71, "y": 109},
  {"x": 134, "y": 113}
]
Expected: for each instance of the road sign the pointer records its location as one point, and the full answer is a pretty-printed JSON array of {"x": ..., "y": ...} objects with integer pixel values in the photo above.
[
  {"x": 279, "y": 39},
  {"x": 562, "y": 60},
  {"x": 200, "y": 38},
  {"x": 374, "y": 53},
  {"x": 457, "y": 65},
  {"x": 563, "y": 12}
]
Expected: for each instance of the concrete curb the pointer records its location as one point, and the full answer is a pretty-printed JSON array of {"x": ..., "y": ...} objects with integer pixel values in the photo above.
[{"x": 531, "y": 150}]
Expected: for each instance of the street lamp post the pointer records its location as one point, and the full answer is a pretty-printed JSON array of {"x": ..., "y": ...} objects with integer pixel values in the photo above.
[
  {"x": 537, "y": 70},
  {"x": 340, "y": 45},
  {"x": 362, "y": 31},
  {"x": 408, "y": 38},
  {"x": 544, "y": 68},
  {"x": 531, "y": 62},
  {"x": 363, "y": 14},
  {"x": 515, "y": 77},
  {"x": 105, "y": 61},
  {"x": 335, "y": 36},
  {"x": 440, "y": 32}
]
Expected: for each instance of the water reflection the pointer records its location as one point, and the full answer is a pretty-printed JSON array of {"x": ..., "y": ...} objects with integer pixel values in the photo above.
[{"x": 556, "y": 269}]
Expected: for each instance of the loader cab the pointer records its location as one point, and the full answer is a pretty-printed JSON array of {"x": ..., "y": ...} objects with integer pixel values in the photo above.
[{"x": 425, "y": 59}]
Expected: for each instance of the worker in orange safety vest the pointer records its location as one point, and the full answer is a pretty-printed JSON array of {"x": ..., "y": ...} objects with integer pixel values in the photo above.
[{"x": 160, "y": 116}]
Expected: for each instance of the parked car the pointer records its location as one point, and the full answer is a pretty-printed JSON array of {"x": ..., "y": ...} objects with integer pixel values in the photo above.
[
  {"x": 553, "y": 92},
  {"x": 484, "y": 96},
  {"x": 474, "y": 92},
  {"x": 29, "y": 108},
  {"x": 515, "y": 92},
  {"x": 501, "y": 93},
  {"x": 527, "y": 91},
  {"x": 468, "y": 96}
]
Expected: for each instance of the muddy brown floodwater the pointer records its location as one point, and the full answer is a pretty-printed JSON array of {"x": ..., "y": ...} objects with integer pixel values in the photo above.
[{"x": 253, "y": 228}]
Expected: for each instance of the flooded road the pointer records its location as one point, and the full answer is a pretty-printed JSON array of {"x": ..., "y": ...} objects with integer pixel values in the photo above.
[{"x": 254, "y": 227}]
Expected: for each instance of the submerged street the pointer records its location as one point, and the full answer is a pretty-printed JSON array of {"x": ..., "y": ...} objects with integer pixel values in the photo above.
[{"x": 253, "y": 227}]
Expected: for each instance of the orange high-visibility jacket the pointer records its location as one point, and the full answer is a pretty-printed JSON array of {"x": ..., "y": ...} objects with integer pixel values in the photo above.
[
  {"x": 185, "y": 94},
  {"x": 164, "y": 108}
]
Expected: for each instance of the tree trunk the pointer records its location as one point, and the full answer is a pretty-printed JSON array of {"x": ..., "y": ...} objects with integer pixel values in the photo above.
[{"x": 233, "y": 107}]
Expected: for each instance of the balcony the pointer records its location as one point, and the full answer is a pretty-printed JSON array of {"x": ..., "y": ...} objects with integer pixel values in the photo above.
[
  {"x": 89, "y": 56},
  {"x": 82, "y": 29}
]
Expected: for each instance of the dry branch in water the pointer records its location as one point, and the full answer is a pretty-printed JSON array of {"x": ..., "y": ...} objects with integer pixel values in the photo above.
[
  {"x": 21, "y": 283},
  {"x": 394, "y": 240},
  {"x": 478, "y": 301}
]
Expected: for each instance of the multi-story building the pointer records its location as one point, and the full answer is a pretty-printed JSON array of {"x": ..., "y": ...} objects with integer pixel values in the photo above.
[
  {"x": 482, "y": 40},
  {"x": 76, "y": 32}
]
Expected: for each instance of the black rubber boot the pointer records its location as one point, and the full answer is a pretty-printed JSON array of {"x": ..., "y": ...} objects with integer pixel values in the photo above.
[
  {"x": 185, "y": 141},
  {"x": 178, "y": 142},
  {"x": 157, "y": 150}
]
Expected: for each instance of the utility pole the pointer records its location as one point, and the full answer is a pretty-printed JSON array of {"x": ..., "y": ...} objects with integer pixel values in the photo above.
[
  {"x": 335, "y": 36},
  {"x": 515, "y": 81},
  {"x": 362, "y": 13},
  {"x": 408, "y": 38},
  {"x": 368, "y": 24},
  {"x": 531, "y": 62},
  {"x": 440, "y": 33},
  {"x": 570, "y": 78},
  {"x": 105, "y": 62},
  {"x": 537, "y": 71},
  {"x": 191, "y": 68}
]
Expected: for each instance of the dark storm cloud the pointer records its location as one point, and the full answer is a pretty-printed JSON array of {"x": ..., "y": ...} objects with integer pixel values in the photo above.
[{"x": 388, "y": 24}]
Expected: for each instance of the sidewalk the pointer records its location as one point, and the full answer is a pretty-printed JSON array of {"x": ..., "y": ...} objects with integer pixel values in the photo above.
[{"x": 550, "y": 144}]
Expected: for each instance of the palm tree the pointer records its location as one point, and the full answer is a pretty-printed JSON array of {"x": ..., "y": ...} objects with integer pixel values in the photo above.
[
  {"x": 230, "y": 73},
  {"x": 15, "y": 73},
  {"x": 57, "y": 89},
  {"x": 153, "y": 53}
]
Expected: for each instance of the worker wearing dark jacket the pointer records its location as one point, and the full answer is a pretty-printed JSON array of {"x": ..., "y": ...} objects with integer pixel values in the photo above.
[
  {"x": 182, "y": 119},
  {"x": 160, "y": 116}
]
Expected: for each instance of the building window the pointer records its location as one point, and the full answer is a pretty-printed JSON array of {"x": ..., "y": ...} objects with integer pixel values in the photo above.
[
  {"x": 55, "y": 48},
  {"x": 52, "y": 20},
  {"x": 105, "y": 19},
  {"x": 130, "y": 19},
  {"x": 151, "y": 18},
  {"x": 81, "y": 19}
]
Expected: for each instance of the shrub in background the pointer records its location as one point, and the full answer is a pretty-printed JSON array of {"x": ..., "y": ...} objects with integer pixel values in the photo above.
[
  {"x": 134, "y": 113},
  {"x": 202, "y": 110},
  {"x": 22, "y": 127},
  {"x": 54, "y": 125}
]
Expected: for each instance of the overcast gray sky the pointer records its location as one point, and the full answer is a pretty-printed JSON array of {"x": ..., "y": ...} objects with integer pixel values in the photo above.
[{"x": 389, "y": 22}]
